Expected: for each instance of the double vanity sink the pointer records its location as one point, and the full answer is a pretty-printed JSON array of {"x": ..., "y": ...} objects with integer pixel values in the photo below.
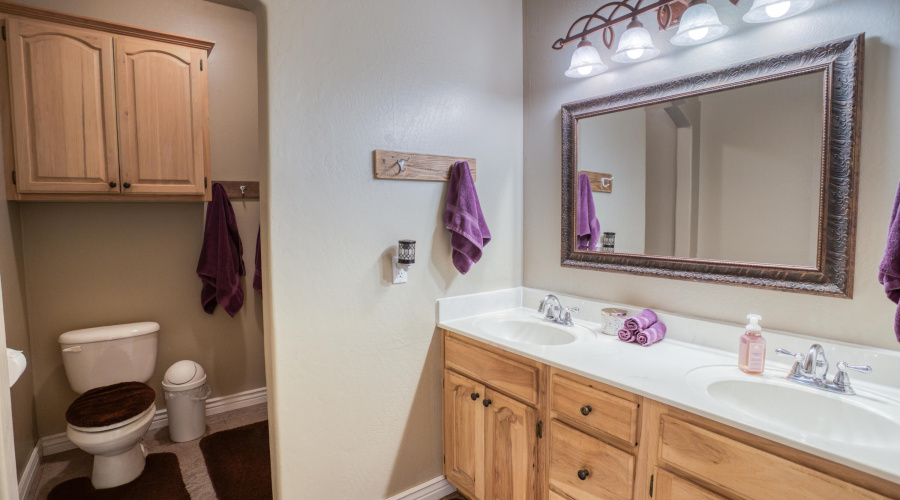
[{"x": 687, "y": 372}]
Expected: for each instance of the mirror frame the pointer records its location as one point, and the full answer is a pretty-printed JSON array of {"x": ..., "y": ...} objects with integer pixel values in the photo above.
[{"x": 841, "y": 61}]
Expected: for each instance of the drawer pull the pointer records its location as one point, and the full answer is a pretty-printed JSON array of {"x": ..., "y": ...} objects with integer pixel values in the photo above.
[
  {"x": 486, "y": 402},
  {"x": 475, "y": 396},
  {"x": 583, "y": 474},
  {"x": 112, "y": 184},
  {"x": 586, "y": 410}
]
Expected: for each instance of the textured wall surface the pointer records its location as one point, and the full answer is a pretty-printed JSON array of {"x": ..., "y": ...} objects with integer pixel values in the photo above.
[
  {"x": 91, "y": 264},
  {"x": 868, "y": 318},
  {"x": 355, "y": 359}
]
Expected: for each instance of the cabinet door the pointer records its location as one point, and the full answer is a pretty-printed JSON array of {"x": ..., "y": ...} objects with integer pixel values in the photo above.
[
  {"x": 464, "y": 434},
  {"x": 63, "y": 107},
  {"x": 511, "y": 448},
  {"x": 672, "y": 487},
  {"x": 163, "y": 117}
]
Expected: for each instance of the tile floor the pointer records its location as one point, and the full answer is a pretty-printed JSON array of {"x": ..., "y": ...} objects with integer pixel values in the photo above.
[{"x": 60, "y": 467}]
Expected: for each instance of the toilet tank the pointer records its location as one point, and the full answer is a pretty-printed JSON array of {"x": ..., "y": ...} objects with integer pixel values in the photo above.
[{"x": 95, "y": 357}]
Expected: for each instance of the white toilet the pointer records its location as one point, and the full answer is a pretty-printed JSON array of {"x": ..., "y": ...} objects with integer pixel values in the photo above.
[{"x": 108, "y": 366}]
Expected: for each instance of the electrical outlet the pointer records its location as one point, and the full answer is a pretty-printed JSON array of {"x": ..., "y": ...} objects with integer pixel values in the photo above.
[{"x": 401, "y": 272}]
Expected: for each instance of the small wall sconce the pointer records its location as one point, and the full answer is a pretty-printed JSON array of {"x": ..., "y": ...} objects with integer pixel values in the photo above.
[
  {"x": 609, "y": 242},
  {"x": 406, "y": 256}
]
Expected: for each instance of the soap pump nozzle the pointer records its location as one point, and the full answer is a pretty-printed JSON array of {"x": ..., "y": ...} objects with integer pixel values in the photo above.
[{"x": 753, "y": 327}]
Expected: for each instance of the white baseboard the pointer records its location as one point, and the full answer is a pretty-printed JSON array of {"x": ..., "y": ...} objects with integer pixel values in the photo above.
[
  {"x": 434, "y": 489},
  {"x": 30, "y": 468},
  {"x": 58, "y": 443}
]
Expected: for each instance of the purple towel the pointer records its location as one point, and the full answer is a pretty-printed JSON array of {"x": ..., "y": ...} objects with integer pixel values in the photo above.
[
  {"x": 463, "y": 217},
  {"x": 627, "y": 335},
  {"x": 889, "y": 270},
  {"x": 652, "y": 334},
  {"x": 641, "y": 321},
  {"x": 221, "y": 262},
  {"x": 257, "y": 274},
  {"x": 586, "y": 217}
]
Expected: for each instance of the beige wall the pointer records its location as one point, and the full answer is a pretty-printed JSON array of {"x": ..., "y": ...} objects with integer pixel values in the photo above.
[
  {"x": 662, "y": 169},
  {"x": 12, "y": 277},
  {"x": 868, "y": 318},
  {"x": 103, "y": 263},
  {"x": 355, "y": 359}
]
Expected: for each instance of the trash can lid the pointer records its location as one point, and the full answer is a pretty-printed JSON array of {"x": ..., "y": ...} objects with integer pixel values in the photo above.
[{"x": 183, "y": 375}]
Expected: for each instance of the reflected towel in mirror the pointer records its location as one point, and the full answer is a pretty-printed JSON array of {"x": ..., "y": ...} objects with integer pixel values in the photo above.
[{"x": 588, "y": 227}]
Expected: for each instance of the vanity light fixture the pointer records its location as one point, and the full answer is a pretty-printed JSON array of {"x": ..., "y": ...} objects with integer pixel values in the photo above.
[
  {"x": 699, "y": 24},
  {"x": 635, "y": 45},
  {"x": 585, "y": 61},
  {"x": 766, "y": 11}
]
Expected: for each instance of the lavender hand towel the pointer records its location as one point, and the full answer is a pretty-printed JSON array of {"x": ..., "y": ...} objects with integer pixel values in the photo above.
[
  {"x": 889, "y": 270},
  {"x": 588, "y": 227},
  {"x": 627, "y": 335},
  {"x": 221, "y": 262},
  {"x": 464, "y": 219},
  {"x": 641, "y": 321},
  {"x": 257, "y": 274},
  {"x": 652, "y": 334}
]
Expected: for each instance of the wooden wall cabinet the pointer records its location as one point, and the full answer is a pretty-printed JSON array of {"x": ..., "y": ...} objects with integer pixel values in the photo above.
[
  {"x": 597, "y": 442},
  {"x": 102, "y": 112}
]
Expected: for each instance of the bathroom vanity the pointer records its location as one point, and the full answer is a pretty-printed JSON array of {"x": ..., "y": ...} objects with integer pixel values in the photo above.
[{"x": 522, "y": 420}]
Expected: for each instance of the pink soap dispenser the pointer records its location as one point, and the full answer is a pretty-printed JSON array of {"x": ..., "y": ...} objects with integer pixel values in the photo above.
[{"x": 752, "y": 355}]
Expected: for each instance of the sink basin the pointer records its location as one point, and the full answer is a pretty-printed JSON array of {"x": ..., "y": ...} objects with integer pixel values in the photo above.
[
  {"x": 532, "y": 331},
  {"x": 858, "y": 420}
]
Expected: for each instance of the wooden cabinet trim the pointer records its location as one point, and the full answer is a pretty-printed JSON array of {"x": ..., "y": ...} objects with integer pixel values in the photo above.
[
  {"x": 668, "y": 486},
  {"x": 14, "y": 9}
]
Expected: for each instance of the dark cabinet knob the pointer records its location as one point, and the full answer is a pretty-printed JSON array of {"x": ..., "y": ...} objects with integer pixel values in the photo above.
[
  {"x": 126, "y": 185},
  {"x": 586, "y": 410},
  {"x": 112, "y": 184},
  {"x": 583, "y": 474},
  {"x": 475, "y": 396},
  {"x": 486, "y": 402}
]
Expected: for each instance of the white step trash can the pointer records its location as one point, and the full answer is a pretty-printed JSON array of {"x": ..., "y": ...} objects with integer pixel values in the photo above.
[{"x": 186, "y": 393}]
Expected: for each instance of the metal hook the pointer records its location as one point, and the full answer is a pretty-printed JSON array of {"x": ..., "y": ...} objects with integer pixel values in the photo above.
[
  {"x": 402, "y": 163},
  {"x": 243, "y": 188},
  {"x": 605, "y": 181}
]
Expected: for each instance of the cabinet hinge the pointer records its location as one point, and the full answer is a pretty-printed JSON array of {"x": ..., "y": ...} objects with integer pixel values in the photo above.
[
  {"x": 201, "y": 64},
  {"x": 651, "y": 485},
  {"x": 14, "y": 177},
  {"x": 540, "y": 429},
  {"x": 204, "y": 183},
  {"x": 3, "y": 31}
]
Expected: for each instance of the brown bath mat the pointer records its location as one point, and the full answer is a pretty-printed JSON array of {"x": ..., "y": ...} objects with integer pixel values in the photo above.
[
  {"x": 238, "y": 462},
  {"x": 161, "y": 479}
]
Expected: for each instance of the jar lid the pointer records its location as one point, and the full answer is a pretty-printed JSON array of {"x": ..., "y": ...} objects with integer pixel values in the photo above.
[{"x": 612, "y": 311}]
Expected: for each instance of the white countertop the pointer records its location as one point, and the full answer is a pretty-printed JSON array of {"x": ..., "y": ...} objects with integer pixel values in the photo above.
[{"x": 676, "y": 370}]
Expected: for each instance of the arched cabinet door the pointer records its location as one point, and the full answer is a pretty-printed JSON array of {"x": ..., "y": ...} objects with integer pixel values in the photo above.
[
  {"x": 63, "y": 107},
  {"x": 163, "y": 118}
]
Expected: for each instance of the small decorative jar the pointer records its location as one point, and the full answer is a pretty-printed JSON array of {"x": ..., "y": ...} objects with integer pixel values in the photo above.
[{"x": 613, "y": 320}]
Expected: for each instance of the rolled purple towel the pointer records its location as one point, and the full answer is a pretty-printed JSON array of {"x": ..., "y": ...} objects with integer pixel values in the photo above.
[
  {"x": 641, "y": 320},
  {"x": 627, "y": 335},
  {"x": 652, "y": 334}
]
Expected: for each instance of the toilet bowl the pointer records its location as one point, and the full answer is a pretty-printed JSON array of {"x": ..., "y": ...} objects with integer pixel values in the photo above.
[
  {"x": 108, "y": 366},
  {"x": 119, "y": 456}
]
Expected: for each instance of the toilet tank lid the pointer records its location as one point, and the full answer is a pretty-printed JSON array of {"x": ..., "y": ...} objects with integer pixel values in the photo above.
[{"x": 113, "y": 332}]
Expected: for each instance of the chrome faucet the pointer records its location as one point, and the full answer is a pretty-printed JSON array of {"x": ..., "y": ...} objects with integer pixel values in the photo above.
[
  {"x": 812, "y": 370},
  {"x": 556, "y": 313}
]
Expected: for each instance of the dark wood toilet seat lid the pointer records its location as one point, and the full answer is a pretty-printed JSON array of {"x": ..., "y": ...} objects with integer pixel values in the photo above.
[{"x": 110, "y": 404}]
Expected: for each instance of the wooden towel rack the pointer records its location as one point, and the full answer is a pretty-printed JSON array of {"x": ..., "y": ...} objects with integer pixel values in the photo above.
[
  {"x": 240, "y": 190},
  {"x": 397, "y": 165}
]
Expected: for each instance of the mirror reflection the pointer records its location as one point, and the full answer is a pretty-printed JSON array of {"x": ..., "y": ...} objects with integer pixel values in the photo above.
[{"x": 734, "y": 175}]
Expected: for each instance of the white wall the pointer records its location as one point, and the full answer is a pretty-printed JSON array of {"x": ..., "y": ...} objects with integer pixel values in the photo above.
[
  {"x": 599, "y": 150},
  {"x": 662, "y": 168},
  {"x": 355, "y": 361},
  {"x": 868, "y": 318}
]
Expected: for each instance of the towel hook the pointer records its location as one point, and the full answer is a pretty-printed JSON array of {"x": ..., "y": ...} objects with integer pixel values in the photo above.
[
  {"x": 402, "y": 163},
  {"x": 605, "y": 181},
  {"x": 243, "y": 188}
]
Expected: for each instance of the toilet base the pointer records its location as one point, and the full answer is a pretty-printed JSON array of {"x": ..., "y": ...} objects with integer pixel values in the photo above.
[{"x": 115, "y": 470}]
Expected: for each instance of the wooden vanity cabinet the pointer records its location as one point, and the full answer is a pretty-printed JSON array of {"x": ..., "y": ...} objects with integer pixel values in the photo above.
[
  {"x": 594, "y": 441},
  {"x": 96, "y": 111}
]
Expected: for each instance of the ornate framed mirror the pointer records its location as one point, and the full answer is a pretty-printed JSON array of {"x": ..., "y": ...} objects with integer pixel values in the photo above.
[{"x": 746, "y": 175}]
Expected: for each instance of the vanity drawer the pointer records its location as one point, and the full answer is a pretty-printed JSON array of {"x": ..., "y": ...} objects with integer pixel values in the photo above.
[
  {"x": 515, "y": 378},
  {"x": 672, "y": 487},
  {"x": 610, "y": 470},
  {"x": 737, "y": 467},
  {"x": 594, "y": 408}
]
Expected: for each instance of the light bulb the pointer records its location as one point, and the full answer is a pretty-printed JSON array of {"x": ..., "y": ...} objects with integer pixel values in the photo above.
[
  {"x": 635, "y": 53},
  {"x": 636, "y": 45},
  {"x": 778, "y": 9},
  {"x": 584, "y": 70},
  {"x": 698, "y": 34},
  {"x": 585, "y": 61}
]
